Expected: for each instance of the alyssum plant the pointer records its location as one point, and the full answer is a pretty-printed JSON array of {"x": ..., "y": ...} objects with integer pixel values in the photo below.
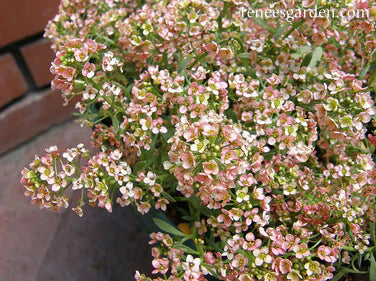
[{"x": 257, "y": 133}]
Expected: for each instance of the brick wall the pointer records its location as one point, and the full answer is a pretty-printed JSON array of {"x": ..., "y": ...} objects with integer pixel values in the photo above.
[{"x": 27, "y": 104}]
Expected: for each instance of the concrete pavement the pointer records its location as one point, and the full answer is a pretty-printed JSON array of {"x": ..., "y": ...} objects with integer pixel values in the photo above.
[{"x": 39, "y": 245}]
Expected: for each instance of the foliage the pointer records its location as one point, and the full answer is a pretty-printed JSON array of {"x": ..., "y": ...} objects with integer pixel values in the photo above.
[{"x": 262, "y": 129}]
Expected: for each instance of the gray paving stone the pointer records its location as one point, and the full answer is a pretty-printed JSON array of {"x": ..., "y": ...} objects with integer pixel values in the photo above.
[
  {"x": 65, "y": 136},
  {"x": 24, "y": 238},
  {"x": 99, "y": 246},
  {"x": 39, "y": 245}
]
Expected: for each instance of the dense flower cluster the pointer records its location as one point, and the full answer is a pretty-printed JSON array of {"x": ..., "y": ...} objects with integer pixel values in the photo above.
[{"x": 263, "y": 130}]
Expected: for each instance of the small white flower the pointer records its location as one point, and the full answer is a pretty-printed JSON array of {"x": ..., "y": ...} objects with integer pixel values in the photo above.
[
  {"x": 127, "y": 190},
  {"x": 257, "y": 45},
  {"x": 69, "y": 155},
  {"x": 69, "y": 170},
  {"x": 150, "y": 178},
  {"x": 192, "y": 264},
  {"x": 51, "y": 149},
  {"x": 199, "y": 146},
  {"x": 116, "y": 154},
  {"x": 242, "y": 195},
  {"x": 167, "y": 165}
]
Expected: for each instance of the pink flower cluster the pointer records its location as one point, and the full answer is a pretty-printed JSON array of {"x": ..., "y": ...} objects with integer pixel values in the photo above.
[
  {"x": 263, "y": 131},
  {"x": 99, "y": 179},
  {"x": 45, "y": 183}
]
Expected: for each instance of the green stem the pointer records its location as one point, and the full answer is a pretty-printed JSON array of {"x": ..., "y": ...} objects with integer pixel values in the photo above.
[
  {"x": 107, "y": 99},
  {"x": 314, "y": 246},
  {"x": 197, "y": 59},
  {"x": 105, "y": 38},
  {"x": 125, "y": 90}
]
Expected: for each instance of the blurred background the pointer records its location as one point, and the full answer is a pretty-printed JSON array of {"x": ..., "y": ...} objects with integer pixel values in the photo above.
[{"x": 38, "y": 245}]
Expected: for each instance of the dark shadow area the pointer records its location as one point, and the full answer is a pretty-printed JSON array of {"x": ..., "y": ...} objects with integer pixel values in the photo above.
[{"x": 97, "y": 247}]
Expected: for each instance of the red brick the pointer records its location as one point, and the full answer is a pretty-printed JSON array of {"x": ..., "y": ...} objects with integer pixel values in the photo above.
[
  {"x": 31, "y": 116},
  {"x": 23, "y": 18},
  {"x": 12, "y": 84},
  {"x": 38, "y": 57}
]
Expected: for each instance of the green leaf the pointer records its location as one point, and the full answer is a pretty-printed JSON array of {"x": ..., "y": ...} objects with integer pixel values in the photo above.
[
  {"x": 115, "y": 123},
  {"x": 168, "y": 197},
  {"x": 167, "y": 227},
  {"x": 373, "y": 81},
  {"x": 139, "y": 166},
  {"x": 129, "y": 88},
  {"x": 244, "y": 55},
  {"x": 151, "y": 159},
  {"x": 244, "y": 60},
  {"x": 153, "y": 142},
  {"x": 339, "y": 275},
  {"x": 195, "y": 202},
  {"x": 170, "y": 132},
  {"x": 232, "y": 115},
  {"x": 187, "y": 249},
  {"x": 183, "y": 63},
  {"x": 300, "y": 53},
  {"x": 347, "y": 248},
  {"x": 263, "y": 24},
  {"x": 345, "y": 270},
  {"x": 364, "y": 71},
  {"x": 293, "y": 27},
  {"x": 165, "y": 59},
  {"x": 372, "y": 270},
  {"x": 213, "y": 245},
  {"x": 372, "y": 228},
  {"x": 187, "y": 218},
  {"x": 306, "y": 60},
  {"x": 216, "y": 275},
  {"x": 316, "y": 56},
  {"x": 280, "y": 31}
]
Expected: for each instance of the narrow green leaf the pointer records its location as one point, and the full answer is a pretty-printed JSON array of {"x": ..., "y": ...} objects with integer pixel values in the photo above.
[
  {"x": 373, "y": 81},
  {"x": 301, "y": 52},
  {"x": 373, "y": 229},
  {"x": 216, "y": 275},
  {"x": 168, "y": 197},
  {"x": 306, "y": 60},
  {"x": 187, "y": 218},
  {"x": 316, "y": 56},
  {"x": 129, "y": 89},
  {"x": 372, "y": 270},
  {"x": 167, "y": 227},
  {"x": 187, "y": 249},
  {"x": 244, "y": 55},
  {"x": 339, "y": 275},
  {"x": 183, "y": 63},
  {"x": 115, "y": 123},
  {"x": 280, "y": 31},
  {"x": 139, "y": 166},
  {"x": 250, "y": 72},
  {"x": 347, "y": 248},
  {"x": 213, "y": 245},
  {"x": 197, "y": 206},
  {"x": 164, "y": 58},
  {"x": 263, "y": 24},
  {"x": 293, "y": 27},
  {"x": 364, "y": 71},
  {"x": 153, "y": 142},
  {"x": 244, "y": 60},
  {"x": 151, "y": 159},
  {"x": 232, "y": 115}
]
